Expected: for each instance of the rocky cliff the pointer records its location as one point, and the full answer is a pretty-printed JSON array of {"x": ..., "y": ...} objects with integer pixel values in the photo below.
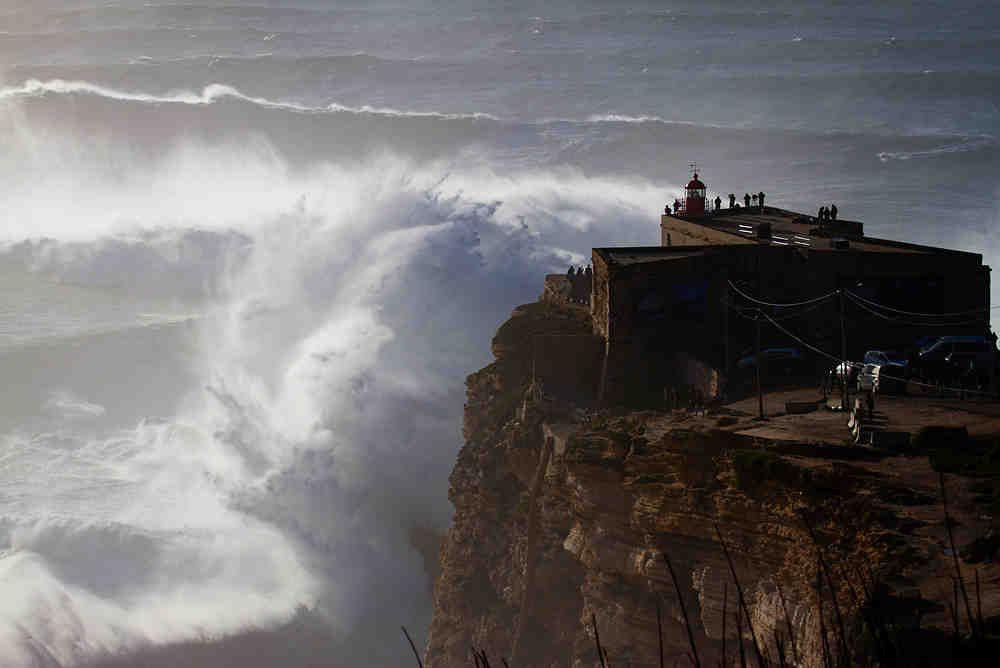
[{"x": 564, "y": 516}]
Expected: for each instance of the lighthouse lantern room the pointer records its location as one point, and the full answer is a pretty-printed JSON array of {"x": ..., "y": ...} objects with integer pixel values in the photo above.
[{"x": 694, "y": 203}]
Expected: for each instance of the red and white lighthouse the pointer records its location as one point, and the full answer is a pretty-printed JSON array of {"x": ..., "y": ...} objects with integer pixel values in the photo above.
[{"x": 694, "y": 193}]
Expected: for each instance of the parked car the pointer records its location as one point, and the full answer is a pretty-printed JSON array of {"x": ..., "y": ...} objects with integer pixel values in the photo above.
[
  {"x": 946, "y": 345},
  {"x": 851, "y": 369},
  {"x": 883, "y": 357},
  {"x": 893, "y": 369},
  {"x": 934, "y": 361},
  {"x": 968, "y": 369}
]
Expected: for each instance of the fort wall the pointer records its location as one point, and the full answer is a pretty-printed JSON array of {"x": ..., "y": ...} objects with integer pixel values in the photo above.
[
  {"x": 676, "y": 231},
  {"x": 649, "y": 304}
]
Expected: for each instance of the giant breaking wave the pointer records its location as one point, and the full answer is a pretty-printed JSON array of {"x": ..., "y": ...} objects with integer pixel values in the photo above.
[{"x": 278, "y": 447}]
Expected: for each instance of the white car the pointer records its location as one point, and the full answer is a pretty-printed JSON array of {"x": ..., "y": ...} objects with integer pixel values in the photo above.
[{"x": 850, "y": 369}]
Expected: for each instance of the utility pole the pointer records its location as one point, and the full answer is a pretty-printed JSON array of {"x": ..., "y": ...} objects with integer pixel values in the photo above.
[
  {"x": 759, "y": 358},
  {"x": 725, "y": 351},
  {"x": 759, "y": 365},
  {"x": 845, "y": 369}
]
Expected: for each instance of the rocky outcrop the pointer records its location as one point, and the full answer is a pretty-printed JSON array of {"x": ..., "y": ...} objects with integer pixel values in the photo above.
[{"x": 563, "y": 516}]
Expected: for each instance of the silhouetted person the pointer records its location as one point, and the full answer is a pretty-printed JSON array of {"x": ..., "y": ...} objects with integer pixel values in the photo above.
[
  {"x": 677, "y": 205},
  {"x": 718, "y": 203},
  {"x": 760, "y": 197},
  {"x": 746, "y": 200},
  {"x": 571, "y": 273},
  {"x": 732, "y": 200},
  {"x": 833, "y": 212},
  {"x": 666, "y": 209},
  {"x": 754, "y": 199},
  {"x": 819, "y": 215}
]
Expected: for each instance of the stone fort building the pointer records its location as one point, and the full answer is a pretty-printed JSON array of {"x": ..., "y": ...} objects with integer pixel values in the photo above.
[{"x": 683, "y": 313}]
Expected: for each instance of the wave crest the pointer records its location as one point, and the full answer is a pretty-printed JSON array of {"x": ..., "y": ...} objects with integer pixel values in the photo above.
[
  {"x": 212, "y": 94},
  {"x": 966, "y": 145}
]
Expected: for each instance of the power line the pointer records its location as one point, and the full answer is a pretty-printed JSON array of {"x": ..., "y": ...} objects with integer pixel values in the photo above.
[
  {"x": 859, "y": 301},
  {"x": 922, "y": 315},
  {"x": 742, "y": 311},
  {"x": 774, "y": 305},
  {"x": 949, "y": 389},
  {"x": 857, "y": 364},
  {"x": 863, "y": 299},
  {"x": 910, "y": 322},
  {"x": 796, "y": 338}
]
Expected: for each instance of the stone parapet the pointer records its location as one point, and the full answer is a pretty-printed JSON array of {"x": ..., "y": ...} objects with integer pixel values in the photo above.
[{"x": 557, "y": 289}]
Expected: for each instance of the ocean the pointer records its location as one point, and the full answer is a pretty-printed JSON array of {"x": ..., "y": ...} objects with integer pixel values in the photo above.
[{"x": 250, "y": 249}]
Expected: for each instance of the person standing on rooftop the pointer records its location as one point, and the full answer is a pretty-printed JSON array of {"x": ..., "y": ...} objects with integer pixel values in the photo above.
[
  {"x": 833, "y": 212},
  {"x": 760, "y": 198},
  {"x": 746, "y": 200}
]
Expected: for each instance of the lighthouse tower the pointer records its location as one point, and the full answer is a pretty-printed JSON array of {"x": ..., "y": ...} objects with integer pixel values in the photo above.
[{"x": 694, "y": 203}]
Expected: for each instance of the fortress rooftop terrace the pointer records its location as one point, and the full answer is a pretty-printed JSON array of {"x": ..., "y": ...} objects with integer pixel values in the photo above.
[{"x": 771, "y": 226}]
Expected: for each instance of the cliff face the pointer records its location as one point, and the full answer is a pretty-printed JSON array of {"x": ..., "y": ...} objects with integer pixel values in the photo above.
[{"x": 563, "y": 516}]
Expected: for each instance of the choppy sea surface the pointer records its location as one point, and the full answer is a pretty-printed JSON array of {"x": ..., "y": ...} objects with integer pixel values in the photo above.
[{"x": 249, "y": 251}]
